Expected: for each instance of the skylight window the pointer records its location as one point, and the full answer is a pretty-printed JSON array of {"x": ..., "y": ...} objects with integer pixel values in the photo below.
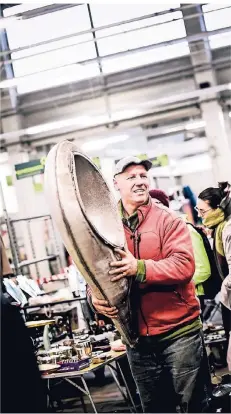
[{"x": 218, "y": 19}]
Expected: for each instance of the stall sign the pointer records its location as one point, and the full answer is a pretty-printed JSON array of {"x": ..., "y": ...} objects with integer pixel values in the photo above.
[
  {"x": 160, "y": 161},
  {"x": 30, "y": 168},
  {"x": 140, "y": 156},
  {"x": 9, "y": 180},
  {"x": 96, "y": 161}
]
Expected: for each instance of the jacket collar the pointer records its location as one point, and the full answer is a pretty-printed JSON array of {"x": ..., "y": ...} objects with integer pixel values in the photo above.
[{"x": 142, "y": 211}]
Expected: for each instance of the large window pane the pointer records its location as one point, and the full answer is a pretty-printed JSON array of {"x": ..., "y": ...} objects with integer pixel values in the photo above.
[
  {"x": 113, "y": 13},
  {"x": 66, "y": 53},
  {"x": 150, "y": 31},
  {"x": 45, "y": 28},
  {"x": 48, "y": 26},
  {"x": 57, "y": 77},
  {"x": 69, "y": 52},
  {"x": 217, "y": 19},
  {"x": 144, "y": 58},
  {"x": 141, "y": 37}
]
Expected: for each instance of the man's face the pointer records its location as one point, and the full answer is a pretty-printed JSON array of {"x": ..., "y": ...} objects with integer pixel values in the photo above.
[{"x": 133, "y": 184}]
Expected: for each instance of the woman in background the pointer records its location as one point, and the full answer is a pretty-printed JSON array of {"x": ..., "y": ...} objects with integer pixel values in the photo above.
[
  {"x": 214, "y": 207},
  {"x": 226, "y": 300},
  {"x": 202, "y": 264}
]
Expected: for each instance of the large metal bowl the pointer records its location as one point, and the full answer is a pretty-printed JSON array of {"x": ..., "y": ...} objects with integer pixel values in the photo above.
[{"x": 86, "y": 214}]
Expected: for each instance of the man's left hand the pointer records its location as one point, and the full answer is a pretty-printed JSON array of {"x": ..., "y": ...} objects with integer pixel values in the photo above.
[{"x": 127, "y": 266}]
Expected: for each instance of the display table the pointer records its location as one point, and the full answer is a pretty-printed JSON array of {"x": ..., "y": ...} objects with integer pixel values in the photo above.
[
  {"x": 62, "y": 308},
  {"x": 45, "y": 324},
  {"x": 68, "y": 376},
  {"x": 38, "y": 324}
]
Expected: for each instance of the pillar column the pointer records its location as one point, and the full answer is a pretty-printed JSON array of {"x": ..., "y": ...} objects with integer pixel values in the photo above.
[
  {"x": 216, "y": 133},
  {"x": 227, "y": 120}
]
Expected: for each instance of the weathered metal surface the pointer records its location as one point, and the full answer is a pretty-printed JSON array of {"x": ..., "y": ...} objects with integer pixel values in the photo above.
[{"x": 85, "y": 212}]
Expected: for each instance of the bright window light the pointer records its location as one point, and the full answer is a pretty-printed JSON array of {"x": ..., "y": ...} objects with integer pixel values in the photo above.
[
  {"x": 81, "y": 121},
  {"x": 28, "y": 32},
  {"x": 38, "y": 129},
  {"x": 68, "y": 52},
  {"x": 8, "y": 83},
  {"x": 9, "y": 192},
  {"x": 5, "y": 23},
  {"x": 137, "y": 59},
  {"x": 115, "y": 13},
  {"x": 144, "y": 36},
  {"x": 195, "y": 125},
  {"x": 103, "y": 143},
  {"x": 218, "y": 19},
  {"x": 52, "y": 78}
]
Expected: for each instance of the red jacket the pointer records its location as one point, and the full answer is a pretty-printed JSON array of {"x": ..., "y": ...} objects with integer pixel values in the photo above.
[{"x": 167, "y": 298}]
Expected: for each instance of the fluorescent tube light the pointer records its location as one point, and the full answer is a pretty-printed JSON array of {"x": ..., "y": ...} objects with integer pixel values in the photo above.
[
  {"x": 104, "y": 142},
  {"x": 38, "y": 129},
  {"x": 195, "y": 125}
]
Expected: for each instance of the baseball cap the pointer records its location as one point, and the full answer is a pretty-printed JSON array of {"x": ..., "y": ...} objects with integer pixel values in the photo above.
[{"x": 125, "y": 162}]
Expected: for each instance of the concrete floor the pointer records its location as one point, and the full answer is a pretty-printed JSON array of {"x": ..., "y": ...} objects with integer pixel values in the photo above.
[{"x": 106, "y": 397}]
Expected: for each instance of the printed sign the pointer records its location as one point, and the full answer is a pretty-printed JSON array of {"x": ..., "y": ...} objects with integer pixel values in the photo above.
[
  {"x": 96, "y": 161},
  {"x": 30, "y": 168},
  {"x": 9, "y": 180},
  {"x": 160, "y": 161}
]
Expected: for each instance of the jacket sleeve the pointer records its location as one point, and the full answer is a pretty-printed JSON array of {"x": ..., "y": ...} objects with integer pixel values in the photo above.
[
  {"x": 226, "y": 239},
  {"x": 177, "y": 265},
  {"x": 226, "y": 285},
  {"x": 226, "y": 292}
]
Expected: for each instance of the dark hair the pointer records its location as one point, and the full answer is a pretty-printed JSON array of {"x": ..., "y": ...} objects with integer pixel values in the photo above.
[{"x": 212, "y": 195}]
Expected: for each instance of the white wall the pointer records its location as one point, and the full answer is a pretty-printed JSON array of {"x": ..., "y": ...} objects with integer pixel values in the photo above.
[{"x": 198, "y": 181}]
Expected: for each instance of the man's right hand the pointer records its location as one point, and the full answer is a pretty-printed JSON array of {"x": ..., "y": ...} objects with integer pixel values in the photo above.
[{"x": 102, "y": 306}]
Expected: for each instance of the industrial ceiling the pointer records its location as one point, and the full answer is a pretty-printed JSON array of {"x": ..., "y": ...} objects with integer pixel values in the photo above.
[{"x": 98, "y": 68}]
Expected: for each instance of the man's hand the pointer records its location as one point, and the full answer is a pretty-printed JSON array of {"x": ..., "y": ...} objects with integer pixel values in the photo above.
[
  {"x": 127, "y": 266},
  {"x": 102, "y": 306}
]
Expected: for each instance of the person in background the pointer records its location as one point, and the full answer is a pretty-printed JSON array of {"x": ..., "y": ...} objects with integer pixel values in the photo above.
[
  {"x": 169, "y": 362},
  {"x": 159, "y": 196},
  {"x": 22, "y": 389},
  {"x": 6, "y": 269},
  {"x": 189, "y": 195},
  {"x": 226, "y": 300},
  {"x": 214, "y": 207},
  {"x": 202, "y": 264}
]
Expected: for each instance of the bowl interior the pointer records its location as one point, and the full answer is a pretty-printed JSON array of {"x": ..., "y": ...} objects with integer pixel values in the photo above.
[{"x": 99, "y": 204}]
